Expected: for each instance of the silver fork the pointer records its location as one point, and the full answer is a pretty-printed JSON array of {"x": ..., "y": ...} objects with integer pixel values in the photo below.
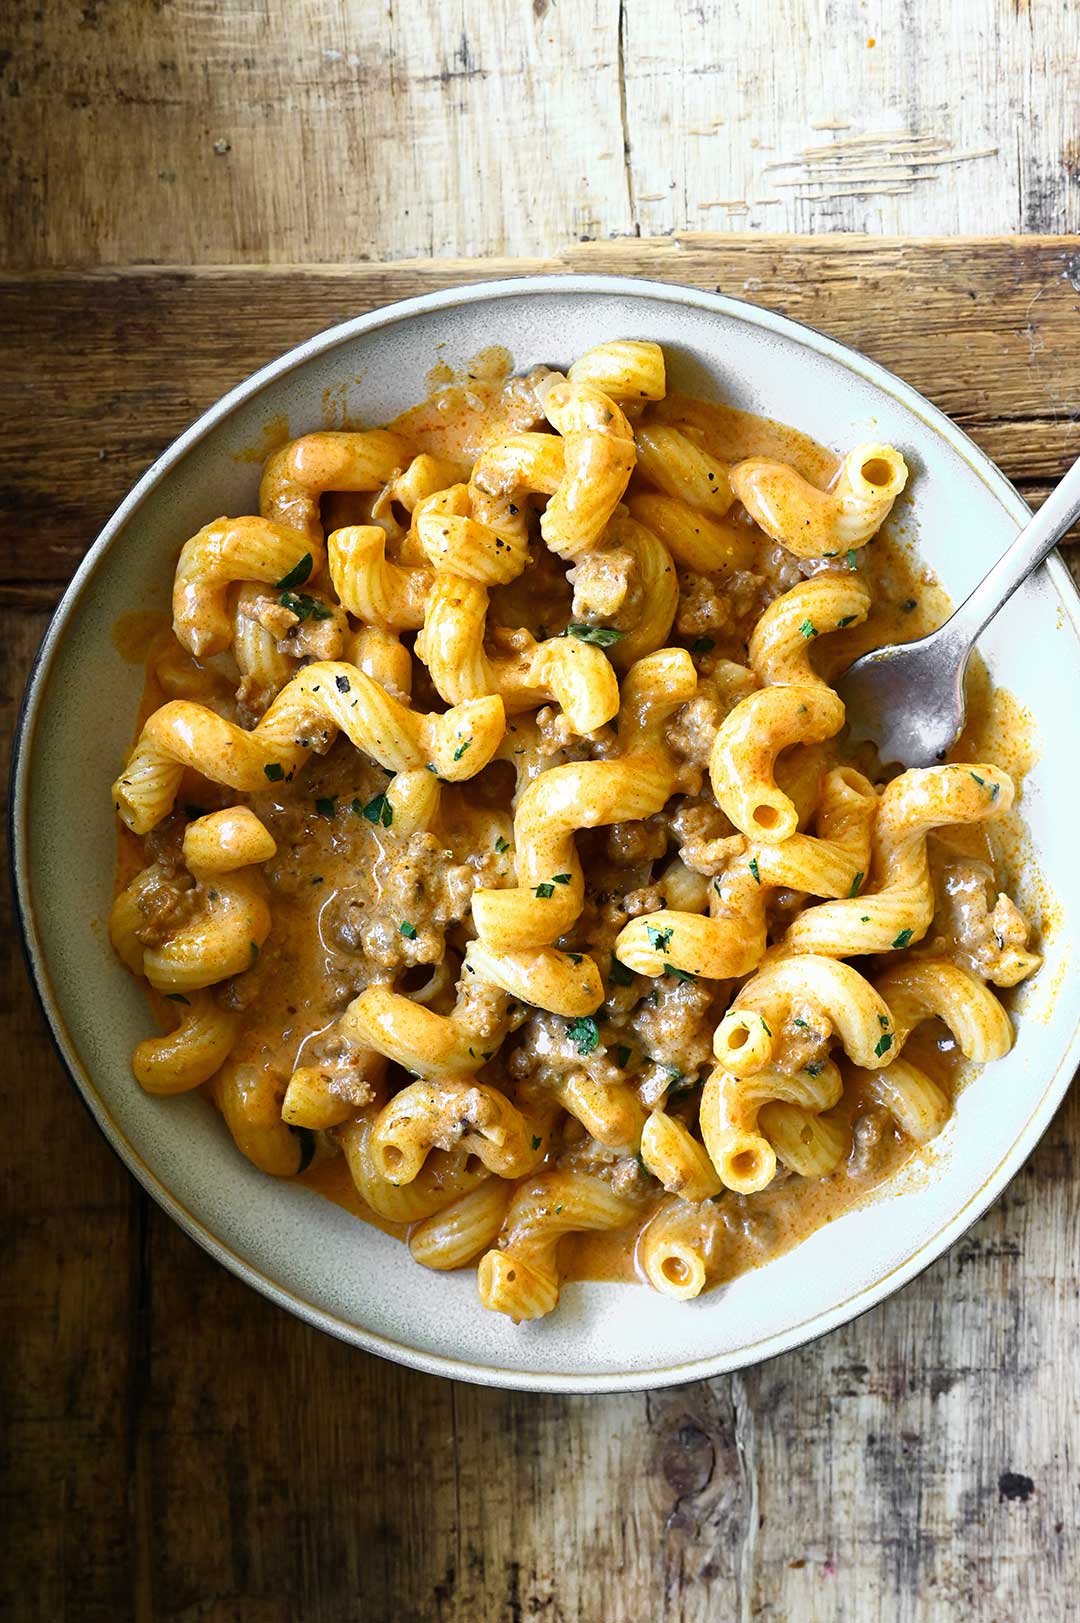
[{"x": 908, "y": 698}]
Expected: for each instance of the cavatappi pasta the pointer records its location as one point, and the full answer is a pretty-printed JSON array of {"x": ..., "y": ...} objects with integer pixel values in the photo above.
[{"x": 494, "y": 856}]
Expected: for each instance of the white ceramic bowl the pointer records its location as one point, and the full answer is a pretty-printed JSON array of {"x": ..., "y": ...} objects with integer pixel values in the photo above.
[{"x": 311, "y": 1257}]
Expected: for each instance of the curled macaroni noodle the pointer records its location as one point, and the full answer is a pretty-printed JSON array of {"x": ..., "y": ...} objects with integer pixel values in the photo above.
[
  {"x": 739, "y": 1145},
  {"x": 320, "y": 700},
  {"x": 749, "y": 1036},
  {"x": 898, "y": 903},
  {"x": 813, "y": 523},
  {"x": 521, "y": 1277},
  {"x": 493, "y": 849}
]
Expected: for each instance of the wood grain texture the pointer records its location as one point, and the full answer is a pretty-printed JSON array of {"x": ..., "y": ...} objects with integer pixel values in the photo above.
[
  {"x": 186, "y": 131},
  {"x": 176, "y": 1448}
]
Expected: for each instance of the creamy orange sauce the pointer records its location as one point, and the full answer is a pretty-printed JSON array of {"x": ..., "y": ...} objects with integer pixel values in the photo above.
[{"x": 337, "y": 878}]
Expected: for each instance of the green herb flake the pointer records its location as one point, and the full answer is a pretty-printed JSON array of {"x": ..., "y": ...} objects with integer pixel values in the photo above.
[
  {"x": 342, "y": 684},
  {"x": 618, "y": 974},
  {"x": 536, "y": 1143},
  {"x": 622, "y": 1056},
  {"x": 679, "y": 974},
  {"x": 326, "y": 806},
  {"x": 561, "y": 878},
  {"x": 765, "y": 1023},
  {"x": 407, "y": 930},
  {"x": 754, "y": 869},
  {"x": 883, "y": 1045},
  {"x": 883, "y": 1021},
  {"x": 808, "y": 629},
  {"x": 558, "y": 1209},
  {"x": 305, "y": 607},
  {"x": 909, "y": 604},
  {"x": 378, "y": 811},
  {"x": 502, "y": 845},
  {"x": 798, "y": 1021},
  {"x": 864, "y": 918},
  {"x": 855, "y": 883},
  {"x": 178, "y": 997},
  {"x": 902, "y": 939},
  {"x": 660, "y": 939},
  {"x": 815, "y": 1067},
  {"x": 297, "y": 575},
  {"x": 460, "y": 751},
  {"x": 543, "y": 891},
  {"x": 640, "y": 1159},
  {"x": 576, "y": 957},
  {"x": 848, "y": 620},
  {"x": 274, "y": 771},
  {"x": 585, "y": 1034},
  {"x": 601, "y": 636},
  {"x": 703, "y": 645},
  {"x": 851, "y": 559}
]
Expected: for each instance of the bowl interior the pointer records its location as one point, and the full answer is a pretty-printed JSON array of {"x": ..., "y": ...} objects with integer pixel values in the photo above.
[{"x": 314, "y": 1258}]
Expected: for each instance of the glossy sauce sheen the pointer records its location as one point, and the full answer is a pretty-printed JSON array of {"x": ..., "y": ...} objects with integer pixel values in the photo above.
[{"x": 333, "y": 873}]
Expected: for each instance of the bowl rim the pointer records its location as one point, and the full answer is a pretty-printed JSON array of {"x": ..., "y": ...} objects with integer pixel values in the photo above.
[{"x": 584, "y": 1381}]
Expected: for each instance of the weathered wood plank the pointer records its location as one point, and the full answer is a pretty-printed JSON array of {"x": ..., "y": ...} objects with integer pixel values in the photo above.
[
  {"x": 325, "y": 130},
  {"x": 122, "y": 363}
]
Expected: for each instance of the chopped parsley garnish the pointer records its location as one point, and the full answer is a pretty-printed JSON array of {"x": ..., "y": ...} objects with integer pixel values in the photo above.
[
  {"x": 808, "y": 629},
  {"x": 297, "y": 575},
  {"x": 602, "y": 636},
  {"x": 502, "y": 845},
  {"x": 536, "y": 1143},
  {"x": 407, "y": 930},
  {"x": 622, "y": 1056},
  {"x": 883, "y": 1044},
  {"x": 576, "y": 957},
  {"x": 855, "y": 883},
  {"x": 679, "y": 974},
  {"x": 378, "y": 811},
  {"x": 851, "y": 557},
  {"x": 342, "y": 684},
  {"x": 765, "y": 1023},
  {"x": 848, "y": 620},
  {"x": 815, "y": 1067},
  {"x": 561, "y": 878},
  {"x": 703, "y": 645},
  {"x": 178, "y": 997},
  {"x": 798, "y": 1021},
  {"x": 274, "y": 771},
  {"x": 903, "y": 938},
  {"x": 305, "y": 607},
  {"x": 754, "y": 869},
  {"x": 543, "y": 891},
  {"x": 585, "y": 1034},
  {"x": 618, "y": 974},
  {"x": 864, "y": 918},
  {"x": 460, "y": 751},
  {"x": 994, "y": 788},
  {"x": 326, "y": 806},
  {"x": 660, "y": 939},
  {"x": 883, "y": 1021}
]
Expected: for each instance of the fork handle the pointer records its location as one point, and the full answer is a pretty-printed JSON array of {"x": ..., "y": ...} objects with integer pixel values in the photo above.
[{"x": 1036, "y": 540}]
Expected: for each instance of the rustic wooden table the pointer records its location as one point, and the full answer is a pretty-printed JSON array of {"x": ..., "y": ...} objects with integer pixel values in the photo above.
[{"x": 175, "y": 1447}]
